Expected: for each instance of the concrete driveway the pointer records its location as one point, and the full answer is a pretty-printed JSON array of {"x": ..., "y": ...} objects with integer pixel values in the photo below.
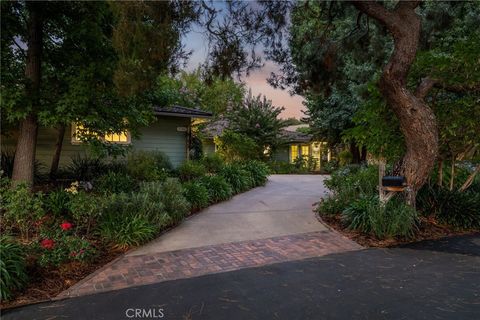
[{"x": 282, "y": 207}]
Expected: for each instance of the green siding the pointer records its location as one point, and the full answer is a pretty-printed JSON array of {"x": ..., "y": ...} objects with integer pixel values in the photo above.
[{"x": 161, "y": 135}]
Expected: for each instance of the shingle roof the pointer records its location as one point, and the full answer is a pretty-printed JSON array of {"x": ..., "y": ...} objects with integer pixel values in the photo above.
[
  {"x": 215, "y": 128},
  {"x": 178, "y": 111}
]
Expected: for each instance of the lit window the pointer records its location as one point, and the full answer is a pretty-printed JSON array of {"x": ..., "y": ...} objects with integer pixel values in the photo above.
[
  {"x": 305, "y": 150},
  {"x": 78, "y": 130},
  {"x": 293, "y": 153},
  {"x": 117, "y": 138}
]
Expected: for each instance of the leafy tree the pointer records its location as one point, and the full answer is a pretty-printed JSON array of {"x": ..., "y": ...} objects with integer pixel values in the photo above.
[
  {"x": 194, "y": 91},
  {"x": 259, "y": 120}
]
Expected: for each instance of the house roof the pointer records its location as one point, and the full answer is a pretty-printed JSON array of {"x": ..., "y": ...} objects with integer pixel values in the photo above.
[
  {"x": 295, "y": 136},
  {"x": 178, "y": 111},
  {"x": 215, "y": 128}
]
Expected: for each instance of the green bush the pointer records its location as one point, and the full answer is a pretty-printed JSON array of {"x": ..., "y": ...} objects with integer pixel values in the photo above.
[
  {"x": 239, "y": 179},
  {"x": 330, "y": 166},
  {"x": 131, "y": 219},
  {"x": 213, "y": 163},
  {"x": 13, "y": 273},
  {"x": 148, "y": 166},
  {"x": 85, "y": 209},
  {"x": 345, "y": 157},
  {"x": 459, "y": 209},
  {"x": 258, "y": 172},
  {"x": 85, "y": 168},
  {"x": 114, "y": 182},
  {"x": 284, "y": 167},
  {"x": 190, "y": 170},
  {"x": 196, "y": 193},
  {"x": 218, "y": 188},
  {"x": 331, "y": 206},
  {"x": 396, "y": 219},
  {"x": 170, "y": 194},
  {"x": 22, "y": 208},
  {"x": 59, "y": 245},
  {"x": 57, "y": 202}
]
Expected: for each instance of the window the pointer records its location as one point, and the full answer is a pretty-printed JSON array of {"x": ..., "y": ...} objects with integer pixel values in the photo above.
[
  {"x": 305, "y": 151},
  {"x": 293, "y": 153},
  {"x": 118, "y": 138}
]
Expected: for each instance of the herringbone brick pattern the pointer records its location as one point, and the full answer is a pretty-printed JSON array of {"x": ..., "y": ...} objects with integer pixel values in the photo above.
[{"x": 131, "y": 271}]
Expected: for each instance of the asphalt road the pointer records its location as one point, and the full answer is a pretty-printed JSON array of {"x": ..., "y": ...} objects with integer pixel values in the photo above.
[{"x": 427, "y": 280}]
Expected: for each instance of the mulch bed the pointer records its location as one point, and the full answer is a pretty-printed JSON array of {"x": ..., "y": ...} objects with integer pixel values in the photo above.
[
  {"x": 46, "y": 284},
  {"x": 429, "y": 229}
]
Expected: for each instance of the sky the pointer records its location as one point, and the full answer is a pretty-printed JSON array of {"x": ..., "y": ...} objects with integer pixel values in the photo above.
[{"x": 257, "y": 81}]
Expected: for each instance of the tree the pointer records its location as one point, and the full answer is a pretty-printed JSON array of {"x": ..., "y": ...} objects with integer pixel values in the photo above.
[
  {"x": 192, "y": 90},
  {"x": 258, "y": 120}
]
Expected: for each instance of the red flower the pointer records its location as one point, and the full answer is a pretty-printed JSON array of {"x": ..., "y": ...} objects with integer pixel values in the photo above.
[
  {"x": 47, "y": 243},
  {"x": 66, "y": 225}
]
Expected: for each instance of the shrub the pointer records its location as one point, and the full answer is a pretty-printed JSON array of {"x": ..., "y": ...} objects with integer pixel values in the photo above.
[
  {"x": 196, "y": 193},
  {"x": 258, "y": 172},
  {"x": 59, "y": 245},
  {"x": 330, "y": 166},
  {"x": 396, "y": 219},
  {"x": 190, "y": 170},
  {"x": 345, "y": 157},
  {"x": 283, "y": 167},
  {"x": 131, "y": 219},
  {"x": 331, "y": 206},
  {"x": 239, "y": 179},
  {"x": 170, "y": 194},
  {"x": 218, "y": 188},
  {"x": 85, "y": 209},
  {"x": 13, "y": 273},
  {"x": 114, "y": 182},
  {"x": 57, "y": 202},
  {"x": 460, "y": 209},
  {"x": 85, "y": 168},
  {"x": 148, "y": 166},
  {"x": 213, "y": 163},
  {"x": 22, "y": 207}
]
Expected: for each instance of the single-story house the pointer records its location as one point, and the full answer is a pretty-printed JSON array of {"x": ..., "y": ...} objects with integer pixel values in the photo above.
[
  {"x": 297, "y": 144},
  {"x": 170, "y": 133}
]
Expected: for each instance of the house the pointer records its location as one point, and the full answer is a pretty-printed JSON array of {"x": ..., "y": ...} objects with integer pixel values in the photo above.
[
  {"x": 170, "y": 133},
  {"x": 296, "y": 144}
]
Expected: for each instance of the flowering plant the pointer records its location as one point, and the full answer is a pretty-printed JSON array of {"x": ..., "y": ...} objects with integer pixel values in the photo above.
[{"x": 59, "y": 245}]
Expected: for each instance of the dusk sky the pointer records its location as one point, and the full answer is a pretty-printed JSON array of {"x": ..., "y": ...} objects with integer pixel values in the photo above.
[{"x": 257, "y": 80}]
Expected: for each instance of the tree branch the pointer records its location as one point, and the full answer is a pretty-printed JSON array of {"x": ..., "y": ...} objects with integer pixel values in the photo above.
[
  {"x": 374, "y": 10},
  {"x": 428, "y": 84}
]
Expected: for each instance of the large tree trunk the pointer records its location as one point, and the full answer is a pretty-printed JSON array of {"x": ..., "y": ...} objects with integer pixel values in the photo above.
[
  {"x": 25, "y": 152},
  {"x": 58, "y": 151},
  {"x": 417, "y": 120}
]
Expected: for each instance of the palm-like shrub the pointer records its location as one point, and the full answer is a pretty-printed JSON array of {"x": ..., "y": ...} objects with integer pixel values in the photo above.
[
  {"x": 85, "y": 168},
  {"x": 218, "y": 188},
  {"x": 13, "y": 274}
]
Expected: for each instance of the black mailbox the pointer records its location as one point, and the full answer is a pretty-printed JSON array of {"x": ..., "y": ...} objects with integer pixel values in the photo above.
[{"x": 393, "y": 181}]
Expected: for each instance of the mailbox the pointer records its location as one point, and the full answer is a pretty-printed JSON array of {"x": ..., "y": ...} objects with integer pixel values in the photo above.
[{"x": 393, "y": 181}]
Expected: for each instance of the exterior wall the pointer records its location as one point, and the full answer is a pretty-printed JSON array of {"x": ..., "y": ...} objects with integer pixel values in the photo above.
[
  {"x": 282, "y": 154},
  {"x": 208, "y": 146},
  {"x": 46, "y": 146},
  {"x": 161, "y": 135}
]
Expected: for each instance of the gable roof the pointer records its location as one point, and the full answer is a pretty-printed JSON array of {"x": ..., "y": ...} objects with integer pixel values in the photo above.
[{"x": 178, "y": 111}]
